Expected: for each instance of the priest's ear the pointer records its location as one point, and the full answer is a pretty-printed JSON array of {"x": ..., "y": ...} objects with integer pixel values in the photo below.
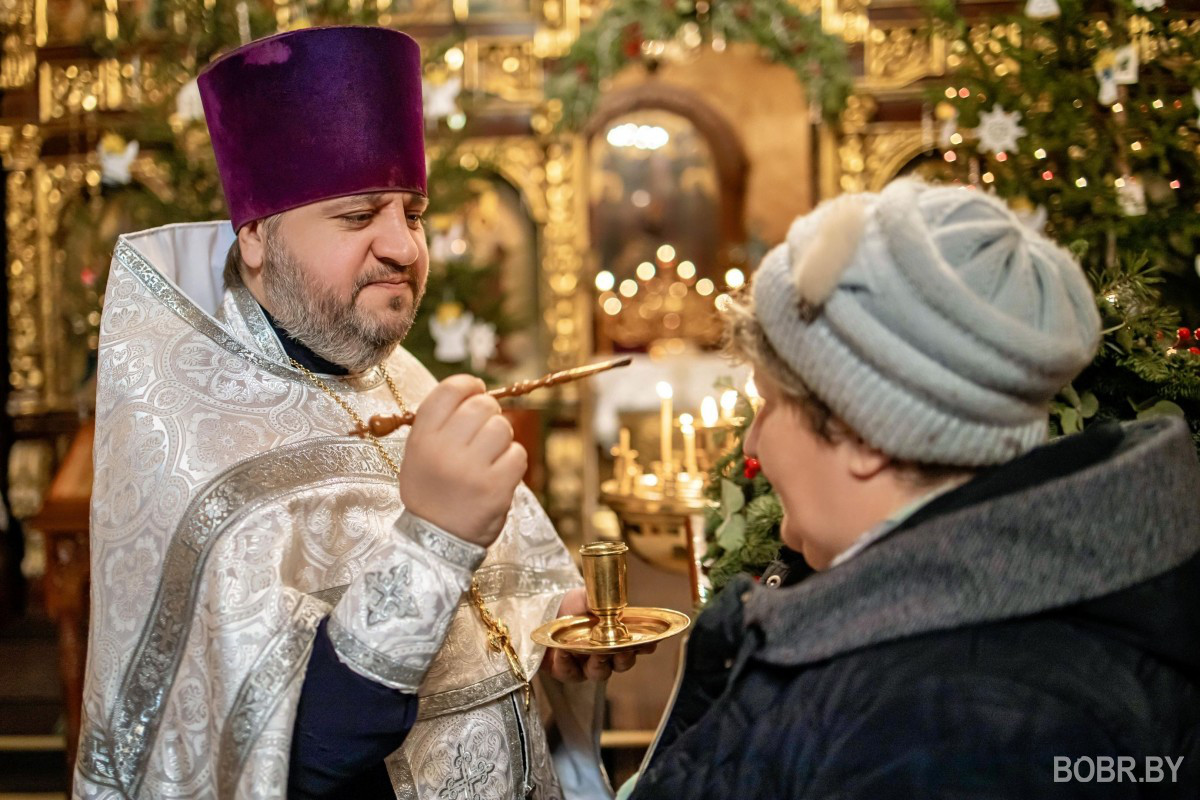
[{"x": 252, "y": 244}]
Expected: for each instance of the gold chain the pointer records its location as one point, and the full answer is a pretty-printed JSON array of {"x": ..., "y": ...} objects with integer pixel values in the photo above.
[
  {"x": 320, "y": 384},
  {"x": 499, "y": 639}
]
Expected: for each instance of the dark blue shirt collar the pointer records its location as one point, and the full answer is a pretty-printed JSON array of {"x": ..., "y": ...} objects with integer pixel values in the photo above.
[{"x": 301, "y": 352}]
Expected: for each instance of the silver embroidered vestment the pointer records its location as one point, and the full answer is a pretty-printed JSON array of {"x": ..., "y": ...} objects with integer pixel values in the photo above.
[{"x": 231, "y": 513}]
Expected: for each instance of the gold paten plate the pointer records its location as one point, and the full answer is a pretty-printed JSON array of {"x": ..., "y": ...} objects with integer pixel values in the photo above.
[{"x": 646, "y": 626}]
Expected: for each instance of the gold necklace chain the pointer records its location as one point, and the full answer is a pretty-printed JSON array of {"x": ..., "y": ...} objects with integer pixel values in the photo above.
[
  {"x": 499, "y": 639},
  {"x": 374, "y": 440}
]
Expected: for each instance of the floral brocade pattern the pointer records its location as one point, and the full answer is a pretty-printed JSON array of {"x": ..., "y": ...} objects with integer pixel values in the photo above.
[{"x": 226, "y": 495}]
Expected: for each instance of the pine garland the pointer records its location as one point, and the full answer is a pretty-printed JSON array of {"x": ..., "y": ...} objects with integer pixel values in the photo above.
[{"x": 645, "y": 31}]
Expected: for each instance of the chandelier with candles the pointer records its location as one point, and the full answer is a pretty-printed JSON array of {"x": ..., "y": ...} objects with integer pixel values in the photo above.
[{"x": 665, "y": 300}]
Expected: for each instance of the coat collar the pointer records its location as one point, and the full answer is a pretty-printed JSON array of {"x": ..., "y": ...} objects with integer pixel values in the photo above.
[{"x": 1074, "y": 520}]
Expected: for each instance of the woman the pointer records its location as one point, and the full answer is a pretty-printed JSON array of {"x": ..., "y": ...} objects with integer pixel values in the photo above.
[{"x": 991, "y": 614}]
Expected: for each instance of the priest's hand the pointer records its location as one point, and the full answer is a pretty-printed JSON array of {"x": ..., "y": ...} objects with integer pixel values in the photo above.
[
  {"x": 571, "y": 668},
  {"x": 461, "y": 465}
]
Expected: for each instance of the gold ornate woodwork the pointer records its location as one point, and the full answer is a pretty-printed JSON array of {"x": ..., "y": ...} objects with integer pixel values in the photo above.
[
  {"x": 851, "y": 150},
  {"x": 846, "y": 18},
  {"x": 506, "y": 68},
  {"x": 55, "y": 184},
  {"x": 900, "y": 53},
  {"x": 26, "y": 267},
  {"x": 18, "y": 57},
  {"x": 897, "y": 56},
  {"x": 890, "y": 148},
  {"x": 566, "y": 310}
]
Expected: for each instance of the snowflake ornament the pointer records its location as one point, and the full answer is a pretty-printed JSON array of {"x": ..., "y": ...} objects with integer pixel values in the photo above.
[{"x": 999, "y": 130}]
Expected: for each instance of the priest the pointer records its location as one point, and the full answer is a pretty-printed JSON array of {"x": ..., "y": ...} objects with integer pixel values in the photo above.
[{"x": 278, "y": 608}]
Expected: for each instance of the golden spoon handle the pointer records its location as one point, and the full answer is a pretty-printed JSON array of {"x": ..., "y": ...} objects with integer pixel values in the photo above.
[{"x": 383, "y": 424}]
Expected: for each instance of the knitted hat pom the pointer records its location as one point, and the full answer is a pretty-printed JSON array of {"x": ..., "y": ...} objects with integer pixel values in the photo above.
[{"x": 818, "y": 262}]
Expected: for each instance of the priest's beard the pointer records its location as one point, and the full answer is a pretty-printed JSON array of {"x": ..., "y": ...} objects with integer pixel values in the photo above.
[{"x": 332, "y": 327}]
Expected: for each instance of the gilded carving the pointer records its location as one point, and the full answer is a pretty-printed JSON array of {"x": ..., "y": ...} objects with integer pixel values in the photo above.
[
  {"x": 506, "y": 68},
  {"x": 846, "y": 18},
  {"x": 18, "y": 60},
  {"x": 18, "y": 56},
  {"x": 888, "y": 150},
  {"x": 851, "y": 151},
  {"x": 562, "y": 259},
  {"x": 899, "y": 56},
  {"x": 545, "y": 175},
  {"x": 25, "y": 373},
  {"x": 55, "y": 185}
]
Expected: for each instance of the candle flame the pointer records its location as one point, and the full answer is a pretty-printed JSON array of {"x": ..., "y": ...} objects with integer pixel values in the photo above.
[
  {"x": 664, "y": 390},
  {"x": 729, "y": 400},
  {"x": 686, "y": 420},
  {"x": 708, "y": 411}
]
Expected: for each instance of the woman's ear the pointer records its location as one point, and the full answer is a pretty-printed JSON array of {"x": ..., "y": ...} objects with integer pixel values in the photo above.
[
  {"x": 252, "y": 246},
  {"x": 864, "y": 461}
]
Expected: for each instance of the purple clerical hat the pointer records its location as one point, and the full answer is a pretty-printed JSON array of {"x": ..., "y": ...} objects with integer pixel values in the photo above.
[{"x": 313, "y": 114}]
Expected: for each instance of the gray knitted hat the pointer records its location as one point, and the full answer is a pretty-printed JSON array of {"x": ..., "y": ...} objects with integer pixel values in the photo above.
[{"x": 929, "y": 319}]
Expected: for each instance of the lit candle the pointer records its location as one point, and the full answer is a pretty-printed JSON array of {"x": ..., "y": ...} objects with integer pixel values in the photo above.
[
  {"x": 623, "y": 463},
  {"x": 728, "y": 403},
  {"x": 708, "y": 412},
  {"x": 689, "y": 444},
  {"x": 752, "y": 393},
  {"x": 665, "y": 393}
]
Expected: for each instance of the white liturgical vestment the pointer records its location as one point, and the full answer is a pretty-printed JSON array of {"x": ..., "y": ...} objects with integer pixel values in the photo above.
[{"x": 231, "y": 513}]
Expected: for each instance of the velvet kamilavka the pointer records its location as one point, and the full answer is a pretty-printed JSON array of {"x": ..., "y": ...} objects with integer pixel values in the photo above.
[{"x": 314, "y": 114}]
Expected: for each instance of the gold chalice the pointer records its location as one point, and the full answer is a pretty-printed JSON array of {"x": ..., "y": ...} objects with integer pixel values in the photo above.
[{"x": 611, "y": 626}]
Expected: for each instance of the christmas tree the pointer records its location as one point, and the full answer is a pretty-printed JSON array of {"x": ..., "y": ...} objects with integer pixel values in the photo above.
[{"x": 1084, "y": 117}]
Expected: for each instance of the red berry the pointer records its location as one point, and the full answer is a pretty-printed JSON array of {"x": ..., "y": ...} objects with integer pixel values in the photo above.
[
  {"x": 752, "y": 469},
  {"x": 1194, "y": 351},
  {"x": 1184, "y": 333},
  {"x": 633, "y": 40}
]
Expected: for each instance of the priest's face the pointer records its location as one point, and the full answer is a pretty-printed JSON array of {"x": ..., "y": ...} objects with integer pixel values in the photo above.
[{"x": 345, "y": 276}]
